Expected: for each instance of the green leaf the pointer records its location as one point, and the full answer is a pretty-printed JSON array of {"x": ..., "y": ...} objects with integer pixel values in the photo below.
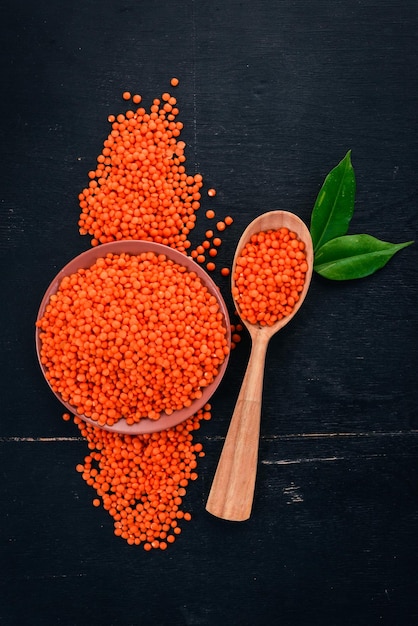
[
  {"x": 354, "y": 256},
  {"x": 334, "y": 205}
]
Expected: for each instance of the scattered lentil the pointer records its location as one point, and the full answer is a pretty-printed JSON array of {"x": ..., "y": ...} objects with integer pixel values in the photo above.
[
  {"x": 140, "y": 479},
  {"x": 236, "y": 330}
]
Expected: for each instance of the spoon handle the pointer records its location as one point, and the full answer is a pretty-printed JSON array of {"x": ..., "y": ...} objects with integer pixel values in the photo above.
[{"x": 232, "y": 492}]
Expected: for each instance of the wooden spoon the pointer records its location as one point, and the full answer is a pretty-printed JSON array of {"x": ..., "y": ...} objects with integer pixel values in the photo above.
[{"x": 232, "y": 491}]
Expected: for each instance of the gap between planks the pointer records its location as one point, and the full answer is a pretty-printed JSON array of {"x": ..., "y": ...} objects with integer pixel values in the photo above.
[{"x": 289, "y": 437}]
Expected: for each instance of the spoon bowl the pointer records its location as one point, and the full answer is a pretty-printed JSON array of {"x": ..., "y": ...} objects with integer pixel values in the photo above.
[{"x": 232, "y": 491}]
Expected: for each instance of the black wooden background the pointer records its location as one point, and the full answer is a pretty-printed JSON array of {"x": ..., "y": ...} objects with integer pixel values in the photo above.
[{"x": 272, "y": 95}]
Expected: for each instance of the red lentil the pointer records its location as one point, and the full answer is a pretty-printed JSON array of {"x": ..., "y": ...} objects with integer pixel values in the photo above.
[
  {"x": 269, "y": 276},
  {"x": 236, "y": 330}
]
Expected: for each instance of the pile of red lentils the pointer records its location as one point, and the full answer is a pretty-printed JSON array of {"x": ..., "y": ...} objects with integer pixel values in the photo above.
[
  {"x": 140, "y": 189},
  {"x": 141, "y": 480},
  {"x": 132, "y": 336},
  {"x": 269, "y": 276}
]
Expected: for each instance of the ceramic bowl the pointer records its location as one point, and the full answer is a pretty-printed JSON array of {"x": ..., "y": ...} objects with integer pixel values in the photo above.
[{"x": 135, "y": 247}]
